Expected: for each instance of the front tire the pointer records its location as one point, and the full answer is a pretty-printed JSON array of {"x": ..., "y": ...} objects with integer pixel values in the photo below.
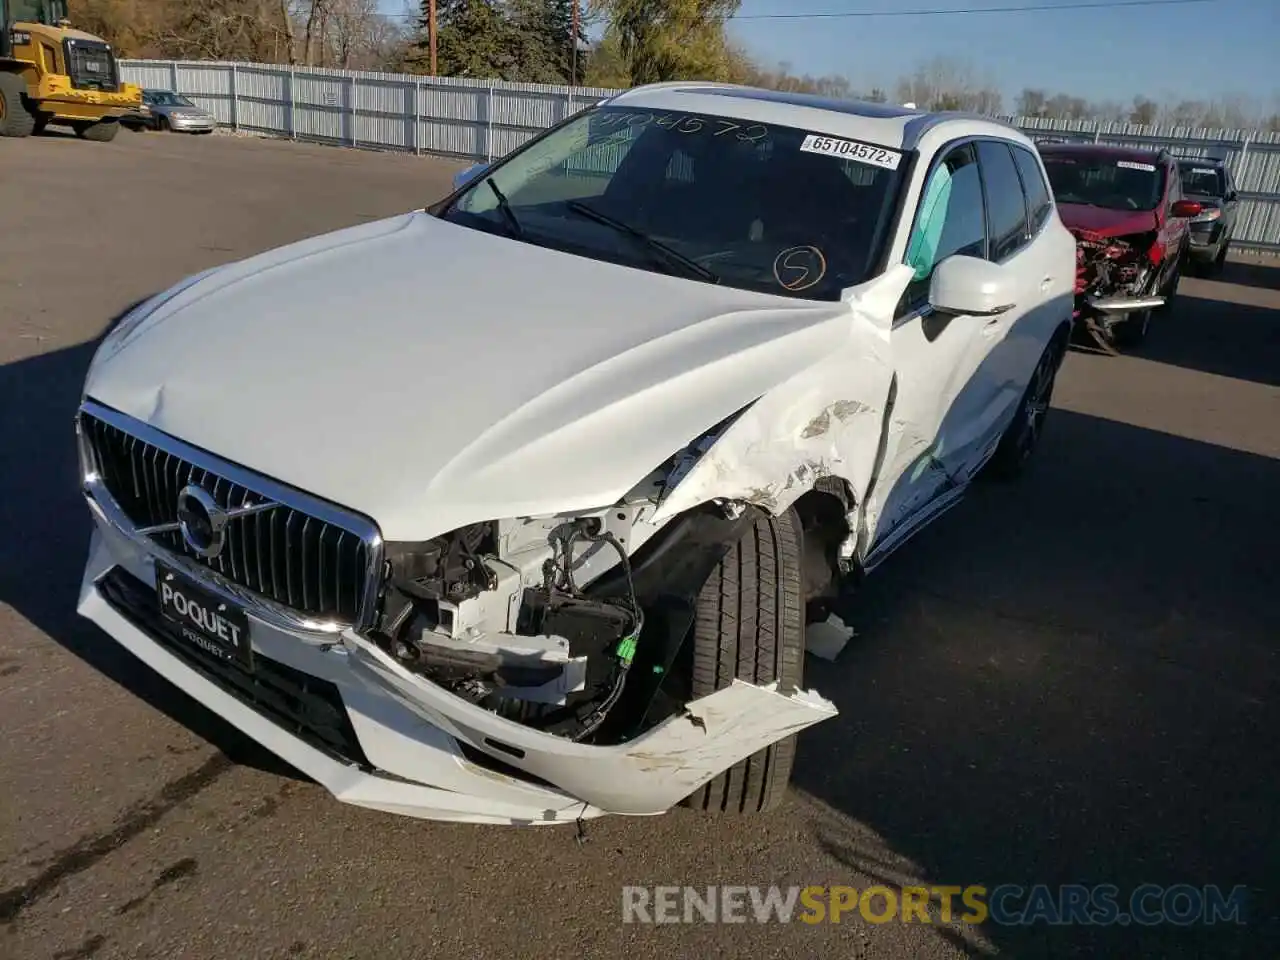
[
  {"x": 15, "y": 119},
  {"x": 749, "y": 625}
]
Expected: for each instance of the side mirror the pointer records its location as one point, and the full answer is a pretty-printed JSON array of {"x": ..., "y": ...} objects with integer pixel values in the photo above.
[
  {"x": 463, "y": 177},
  {"x": 969, "y": 286},
  {"x": 1185, "y": 209},
  {"x": 1232, "y": 196}
]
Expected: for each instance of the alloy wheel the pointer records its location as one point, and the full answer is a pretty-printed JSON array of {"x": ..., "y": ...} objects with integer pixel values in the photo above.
[{"x": 1036, "y": 406}]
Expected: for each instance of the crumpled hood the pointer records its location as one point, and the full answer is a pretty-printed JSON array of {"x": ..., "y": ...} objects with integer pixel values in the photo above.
[
  {"x": 429, "y": 375},
  {"x": 1104, "y": 222}
]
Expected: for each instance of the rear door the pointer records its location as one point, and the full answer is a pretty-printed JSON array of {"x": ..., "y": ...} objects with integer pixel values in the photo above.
[{"x": 1009, "y": 344}]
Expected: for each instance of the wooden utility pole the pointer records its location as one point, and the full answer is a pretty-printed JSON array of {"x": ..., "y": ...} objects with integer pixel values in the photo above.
[
  {"x": 573, "y": 40},
  {"x": 431, "y": 31}
]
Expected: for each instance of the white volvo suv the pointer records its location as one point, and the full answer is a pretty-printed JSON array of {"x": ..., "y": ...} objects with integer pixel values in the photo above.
[{"x": 515, "y": 509}]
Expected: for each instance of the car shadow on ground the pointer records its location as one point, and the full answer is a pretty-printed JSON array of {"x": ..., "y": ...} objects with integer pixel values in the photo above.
[
  {"x": 1236, "y": 340},
  {"x": 46, "y": 526},
  {"x": 1261, "y": 273},
  {"x": 1227, "y": 339},
  {"x": 1072, "y": 680}
]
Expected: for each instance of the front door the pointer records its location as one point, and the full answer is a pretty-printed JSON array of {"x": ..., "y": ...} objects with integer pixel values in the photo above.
[{"x": 942, "y": 388}]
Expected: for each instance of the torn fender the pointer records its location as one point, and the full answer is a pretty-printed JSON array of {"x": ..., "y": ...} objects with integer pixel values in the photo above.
[
  {"x": 825, "y": 421},
  {"x": 647, "y": 775}
]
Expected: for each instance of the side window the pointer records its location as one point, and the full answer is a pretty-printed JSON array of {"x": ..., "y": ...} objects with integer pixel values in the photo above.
[
  {"x": 1174, "y": 178},
  {"x": 1039, "y": 202},
  {"x": 1006, "y": 206},
  {"x": 949, "y": 220}
]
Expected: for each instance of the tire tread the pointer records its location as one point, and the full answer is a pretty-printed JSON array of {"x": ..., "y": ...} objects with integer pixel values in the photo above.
[{"x": 750, "y": 625}]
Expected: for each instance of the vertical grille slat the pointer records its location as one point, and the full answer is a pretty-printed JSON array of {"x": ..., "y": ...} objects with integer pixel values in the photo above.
[
  {"x": 133, "y": 467},
  {"x": 220, "y": 561},
  {"x": 277, "y": 553},
  {"x": 290, "y": 552},
  {"x": 302, "y": 561},
  {"x": 323, "y": 574},
  {"x": 337, "y": 569},
  {"x": 308, "y": 561},
  {"x": 234, "y": 529}
]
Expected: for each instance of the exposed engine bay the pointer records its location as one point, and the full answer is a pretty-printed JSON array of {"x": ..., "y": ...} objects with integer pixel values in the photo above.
[
  {"x": 497, "y": 614},
  {"x": 1115, "y": 277},
  {"x": 1109, "y": 268}
]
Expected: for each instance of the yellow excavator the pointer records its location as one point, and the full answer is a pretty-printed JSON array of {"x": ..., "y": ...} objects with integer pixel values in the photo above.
[{"x": 52, "y": 73}]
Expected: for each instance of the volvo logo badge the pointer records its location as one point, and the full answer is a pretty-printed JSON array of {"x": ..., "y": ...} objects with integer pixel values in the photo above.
[{"x": 203, "y": 523}]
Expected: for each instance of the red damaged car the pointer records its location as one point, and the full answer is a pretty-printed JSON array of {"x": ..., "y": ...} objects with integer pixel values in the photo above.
[{"x": 1126, "y": 209}]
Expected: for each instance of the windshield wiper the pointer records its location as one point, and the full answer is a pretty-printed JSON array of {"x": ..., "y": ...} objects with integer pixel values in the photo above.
[
  {"x": 657, "y": 246},
  {"x": 504, "y": 208}
]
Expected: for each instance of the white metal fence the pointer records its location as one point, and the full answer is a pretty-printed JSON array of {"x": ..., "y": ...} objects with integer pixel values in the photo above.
[{"x": 485, "y": 119}]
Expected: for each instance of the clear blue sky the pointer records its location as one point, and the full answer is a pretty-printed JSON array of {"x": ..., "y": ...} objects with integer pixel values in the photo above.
[{"x": 1192, "y": 51}]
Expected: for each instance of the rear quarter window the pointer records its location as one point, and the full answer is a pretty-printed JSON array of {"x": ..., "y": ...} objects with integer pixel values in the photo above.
[
  {"x": 1006, "y": 205},
  {"x": 1039, "y": 200}
]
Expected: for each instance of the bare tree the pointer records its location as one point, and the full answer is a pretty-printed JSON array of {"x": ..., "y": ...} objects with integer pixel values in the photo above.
[
  {"x": 1031, "y": 103},
  {"x": 316, "y": 14},
  {"x": 1145, "y": 111},
  {"x": 354, "y": 23},
  {"x": 949, "y": 83}
]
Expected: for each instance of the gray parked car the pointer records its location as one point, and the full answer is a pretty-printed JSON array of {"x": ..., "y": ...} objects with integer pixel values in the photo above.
[
  {"x": 1209, "y": 183},
  {"x": 166, "y": 110}
]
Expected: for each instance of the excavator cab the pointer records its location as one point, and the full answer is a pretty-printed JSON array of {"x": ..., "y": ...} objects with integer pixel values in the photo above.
[{"x": 51, "y": 73}]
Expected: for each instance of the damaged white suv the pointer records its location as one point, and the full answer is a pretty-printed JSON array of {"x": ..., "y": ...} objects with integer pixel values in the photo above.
[{"x": 514, "y": 509}]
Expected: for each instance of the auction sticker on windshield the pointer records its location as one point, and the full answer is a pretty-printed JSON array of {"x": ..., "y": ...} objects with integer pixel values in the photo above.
[
  {"x": 851, "y": 150},
  {"x": 1130, "y": 165}
]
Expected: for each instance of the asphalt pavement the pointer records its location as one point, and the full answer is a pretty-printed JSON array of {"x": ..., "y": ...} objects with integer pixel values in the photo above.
[{"x": 1070, "y": 680}]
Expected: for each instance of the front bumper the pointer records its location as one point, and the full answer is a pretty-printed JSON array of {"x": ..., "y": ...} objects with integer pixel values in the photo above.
[
  {"x": 404, "y": 766},
  {"x": 379, "y": 736},
  {"x": 192, "y": 124},
  {"x": 1205, "y": 240}
]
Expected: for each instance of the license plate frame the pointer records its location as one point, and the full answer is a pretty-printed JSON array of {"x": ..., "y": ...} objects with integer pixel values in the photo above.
[{"x": 203, "y": 619}]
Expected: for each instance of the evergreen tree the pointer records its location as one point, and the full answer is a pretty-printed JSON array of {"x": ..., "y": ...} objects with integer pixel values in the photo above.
[{"x": 470, "y": 37}]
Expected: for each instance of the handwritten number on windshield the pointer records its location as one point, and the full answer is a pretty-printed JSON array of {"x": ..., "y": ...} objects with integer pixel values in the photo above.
[
  {"x": 799, "y": 268},
  {"x": 688, "y": 124}
]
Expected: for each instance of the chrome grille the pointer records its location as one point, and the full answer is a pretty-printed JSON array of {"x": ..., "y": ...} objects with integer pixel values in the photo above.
[{"x": 312, "y": 558}]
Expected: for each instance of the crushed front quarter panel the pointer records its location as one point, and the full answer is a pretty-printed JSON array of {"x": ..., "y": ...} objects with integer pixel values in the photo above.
[{"x": 826, "y": 421}]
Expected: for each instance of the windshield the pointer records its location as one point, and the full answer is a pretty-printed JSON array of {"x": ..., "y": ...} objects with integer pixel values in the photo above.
[
  {"x": 165, "y": 98},
  {"x": 765, "y": 208},
  {"x": 1103, "y": 182},
  {"x": 1203, "y": 181}
]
